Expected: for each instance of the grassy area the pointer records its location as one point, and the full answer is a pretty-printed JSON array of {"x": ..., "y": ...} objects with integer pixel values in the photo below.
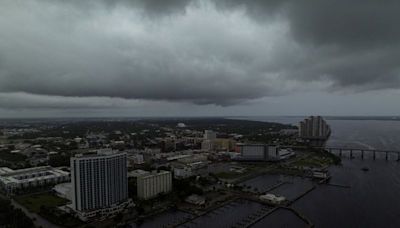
[
  {"x": 250, "y": 170},
  {"x": 312, "y": 162},
  {"x": 228, "y": 175},
  {"x": 34, "y": 202},
  {"x": 316, "y": 160}
]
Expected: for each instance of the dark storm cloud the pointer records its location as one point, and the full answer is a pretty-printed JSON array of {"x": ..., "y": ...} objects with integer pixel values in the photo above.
[
  {"x": 352, "y": 24},
  {"x": 342, "y": 22},
  {"x": 31, "y": 101},
  {"x": 204, "y": 52},
  {"x": 151, "y": 8},
  {"x": 354, "y": 44},
  {"x": 121, "y": 54}
]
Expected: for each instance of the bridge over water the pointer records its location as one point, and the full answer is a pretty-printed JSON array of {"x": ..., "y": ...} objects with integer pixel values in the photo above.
[
  {"x": 362, "y": 153},
  {"x": 359, "y": 152}
]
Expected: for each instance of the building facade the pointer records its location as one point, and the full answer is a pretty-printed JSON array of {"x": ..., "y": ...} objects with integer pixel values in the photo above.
[
  {"x": 151, "y": 184},
  {"x": 13, "y": 180},
  {"x": 314, "y": 127},
  {"x": 99, "y": 182},
  {"x": 261, "y": 152},
  {"x": 182, "y": 172},
  {"x": 210, "y": 135}
]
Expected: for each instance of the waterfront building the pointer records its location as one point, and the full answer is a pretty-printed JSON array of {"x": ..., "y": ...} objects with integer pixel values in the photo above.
[
  {"x": 314, "y": 127},
  {"x": 187, "y": 166},
  {"x": 319, "y": 173},
  {"x": 272, "y": 199},
  {"x": 253, "y": 151},
  {"x": 262, "y": 152},
  {"x": 99, "y": 184},
  {"x": 151, "y": 184},
  {"x": 13, "y": 180}
]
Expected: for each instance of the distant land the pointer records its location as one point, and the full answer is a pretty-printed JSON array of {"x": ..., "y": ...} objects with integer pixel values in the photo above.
[
  {"x": 391, "y": 118},
  {"x": 183, "y": 118}
]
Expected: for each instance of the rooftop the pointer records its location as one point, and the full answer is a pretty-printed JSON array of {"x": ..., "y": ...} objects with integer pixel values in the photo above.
[
  {"x": 30, "y": 174},
  {"x": 143, "y": 173}
]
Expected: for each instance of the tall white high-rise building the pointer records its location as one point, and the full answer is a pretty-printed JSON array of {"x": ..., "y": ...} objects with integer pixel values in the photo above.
[
  {"x": 314, "y": 127},
  {"x": 99, "y": 182}
]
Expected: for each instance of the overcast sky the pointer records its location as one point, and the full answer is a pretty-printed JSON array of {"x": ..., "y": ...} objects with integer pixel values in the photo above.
[{"x": 192, "y": 58}]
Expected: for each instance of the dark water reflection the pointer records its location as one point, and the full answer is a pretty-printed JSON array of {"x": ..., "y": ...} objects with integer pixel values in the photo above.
[
  {"x": 281, "y": 218},
  {"x": 373, "y": 199},
  {"x": 229, "y": 215},
  {"x": 165, "y": 219}
]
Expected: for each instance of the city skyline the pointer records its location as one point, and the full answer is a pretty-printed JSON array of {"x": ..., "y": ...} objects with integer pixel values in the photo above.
[{"x": 198, "y": 58}]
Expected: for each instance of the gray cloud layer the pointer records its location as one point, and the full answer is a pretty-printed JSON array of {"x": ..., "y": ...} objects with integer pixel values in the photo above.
[{"x": 203, "y": 52}]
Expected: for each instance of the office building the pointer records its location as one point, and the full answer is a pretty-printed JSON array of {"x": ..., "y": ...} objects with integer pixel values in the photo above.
[
  {"x": 151, "y": 184},
  {"x": 224, "y": 144},
  {"x": 99, "y": 184},
  {"x": 207, "y": 145}
]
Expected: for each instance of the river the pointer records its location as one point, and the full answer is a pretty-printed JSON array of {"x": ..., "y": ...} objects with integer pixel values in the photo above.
[{"x": 373, "y": 199}]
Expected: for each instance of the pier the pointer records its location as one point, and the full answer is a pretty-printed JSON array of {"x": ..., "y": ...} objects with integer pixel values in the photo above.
[{"x": 338, "y": 185}]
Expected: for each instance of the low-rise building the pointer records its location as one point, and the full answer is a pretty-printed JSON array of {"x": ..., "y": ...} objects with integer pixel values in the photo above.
[
  {"x": 136, "y": 159},
  {"x": 262, "y": 152},
  {"x": 207, "y": 145},
  {"x": 320, "y": 173},
  {"x": 273, "y": 199},
  {"x": 12, "y": 180},
  {"x": 196, "y": 200},
  {"x": 182, "y": 172}
]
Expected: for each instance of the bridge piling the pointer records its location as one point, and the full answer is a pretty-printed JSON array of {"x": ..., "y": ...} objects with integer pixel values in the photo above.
[{"x": 339, "y": 151}]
